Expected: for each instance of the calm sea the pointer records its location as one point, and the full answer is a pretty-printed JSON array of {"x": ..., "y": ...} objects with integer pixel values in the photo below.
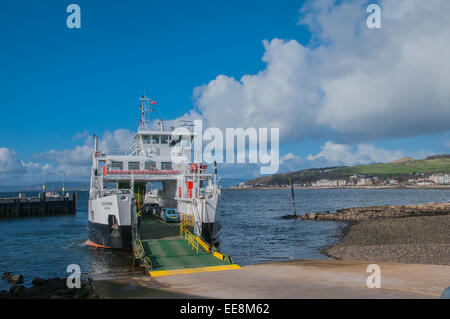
[{"x": 252, "y": 231}]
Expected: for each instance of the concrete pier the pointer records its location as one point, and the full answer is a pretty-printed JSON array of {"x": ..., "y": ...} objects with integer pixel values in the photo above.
[
  {"x": 15, "y": 207},
  {"x": 318, "y": 279}
]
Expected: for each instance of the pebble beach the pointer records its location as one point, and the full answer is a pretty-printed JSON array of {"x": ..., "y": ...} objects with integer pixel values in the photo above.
[{"x": 413, "y": 240}]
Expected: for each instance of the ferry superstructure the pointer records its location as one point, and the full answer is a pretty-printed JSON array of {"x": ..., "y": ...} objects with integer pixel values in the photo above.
[{"x": 120, "y": 182}]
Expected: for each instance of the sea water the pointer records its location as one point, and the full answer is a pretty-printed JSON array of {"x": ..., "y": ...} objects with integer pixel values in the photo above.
[{"x": 252, "y": 231}]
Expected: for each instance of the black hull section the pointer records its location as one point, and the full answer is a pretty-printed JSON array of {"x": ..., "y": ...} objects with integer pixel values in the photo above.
[
  {"x": 101, "y": 235},
  {"x": 210, "y": 233}
]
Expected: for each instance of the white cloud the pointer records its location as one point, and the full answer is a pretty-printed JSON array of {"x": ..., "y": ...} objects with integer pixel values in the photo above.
[
  {"x": 75, "y": 163},
  {"x": 15, "y": 171},
  {"x": 81, "y": 154},
  {"x": 81, "y": 135},
  {"x": 354, "y": 83},
  {"x": 275, "y": 97},
  {"x": 340, "y": 154},
  {"x": 331, "y": 154},
  {"x": 9, "y": 164},
  {"x": 289, "y": 157}
]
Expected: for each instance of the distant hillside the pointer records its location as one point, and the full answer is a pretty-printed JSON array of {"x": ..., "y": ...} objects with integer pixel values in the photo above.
[
  {"x": 403, "y": 160},
  {"x": 49, "y": 186},
  {"x": 400, "y": 169}
]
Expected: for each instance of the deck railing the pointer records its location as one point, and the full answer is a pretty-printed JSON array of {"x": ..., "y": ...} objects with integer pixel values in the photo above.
[
  {"x": 139, "y": 253},
  {"x": 191, "y": 239}
]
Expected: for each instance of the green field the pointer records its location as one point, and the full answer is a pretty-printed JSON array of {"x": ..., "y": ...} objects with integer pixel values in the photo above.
[
  {"x": 430, "y": 165},
  {"x": 441, "y": 165}
]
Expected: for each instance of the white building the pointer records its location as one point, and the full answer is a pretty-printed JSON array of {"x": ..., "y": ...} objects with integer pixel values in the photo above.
[{"x": 441, "y": 179}]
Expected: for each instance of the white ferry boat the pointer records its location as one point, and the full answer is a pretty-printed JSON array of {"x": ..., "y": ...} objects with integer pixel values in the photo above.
[{"x": 121, "y": 184}]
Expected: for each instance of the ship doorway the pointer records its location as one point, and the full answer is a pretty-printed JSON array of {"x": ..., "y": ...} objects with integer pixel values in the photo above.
[
  {"x": 139, "y": 195},
  {"x": 113, "y": 223}
]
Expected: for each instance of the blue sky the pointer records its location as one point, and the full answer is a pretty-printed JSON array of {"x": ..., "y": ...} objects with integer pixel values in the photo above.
[
  {"x": 58, "y": 81},
  {"x": 61, "y": 85}
]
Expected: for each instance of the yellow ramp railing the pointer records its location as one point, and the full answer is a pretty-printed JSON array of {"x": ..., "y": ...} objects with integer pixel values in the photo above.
[
  {"x": 139, "y": 253},
  {"x": 191, "y": 239},
  {"x": 187, "y": 221}
]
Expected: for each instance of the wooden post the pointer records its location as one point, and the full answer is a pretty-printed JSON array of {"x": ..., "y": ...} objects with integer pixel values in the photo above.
[{"x": 293, "y": 196}]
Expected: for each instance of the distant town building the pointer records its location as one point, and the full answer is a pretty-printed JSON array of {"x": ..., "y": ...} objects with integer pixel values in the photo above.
[
  {"x": 441, "y": 179},
  {"x": 363, "y": 181}
]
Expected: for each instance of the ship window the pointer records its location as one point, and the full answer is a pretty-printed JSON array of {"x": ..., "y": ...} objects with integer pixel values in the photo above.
[
  {"x": 150, "y": 165},
  {"x": 116, "y": 165},
  {"x": 154, "y": 139},
  {"x": 158, "y": 151},
  {"x": 164, "y": 139},
  {"x": 133, "y": 166},
  {"x": 146, "y": 140},
  {"x": 166, "y": 166}
]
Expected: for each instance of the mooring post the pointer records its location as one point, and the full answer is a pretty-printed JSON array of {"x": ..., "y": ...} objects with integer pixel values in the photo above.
[
  {"x": 293, "y": 196},
  {"x": 17, "y": 207},
  {"x": 75, "y": 203}
]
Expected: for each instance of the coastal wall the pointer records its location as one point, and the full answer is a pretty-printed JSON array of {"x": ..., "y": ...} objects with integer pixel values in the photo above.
[
  {"x": 373, "y": 212},
  {"x": 39, "y": 206}
]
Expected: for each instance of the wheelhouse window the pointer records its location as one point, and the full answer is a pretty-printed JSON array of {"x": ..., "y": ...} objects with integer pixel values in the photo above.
[
  {"x": 164, "y": 139},
  {"x": 116, "y": 166},
  {"x": 146, "y": 139},
  {"x": 150, "y": 165},
  {"x": 154, "y": 139},
  {"x": 166, "y": 166},
  {"x": 133, "y": 166}
]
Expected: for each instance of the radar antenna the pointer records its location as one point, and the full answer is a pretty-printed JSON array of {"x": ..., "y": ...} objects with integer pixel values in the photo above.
[{"x": 144, "y": 124}]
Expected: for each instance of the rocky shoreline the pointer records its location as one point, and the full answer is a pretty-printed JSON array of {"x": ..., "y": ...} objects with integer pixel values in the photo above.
[
  {"x": 53, "y": 288},
  {"x": 376, "y": 212},
  {"x": 414, "y": 234},
  {"x": 287, "y": 187}
]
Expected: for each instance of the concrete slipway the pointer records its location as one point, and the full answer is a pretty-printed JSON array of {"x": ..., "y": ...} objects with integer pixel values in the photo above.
[{"x": 284, "y": 280}]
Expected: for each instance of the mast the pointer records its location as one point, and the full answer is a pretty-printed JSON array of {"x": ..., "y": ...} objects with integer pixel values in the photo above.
[{"x": 143, "y": 125}]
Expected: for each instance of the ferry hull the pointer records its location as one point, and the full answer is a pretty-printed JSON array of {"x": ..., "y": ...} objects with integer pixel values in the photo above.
[
  {"x": 211, "y": 233},
  {"x": 100, "y": 235}
]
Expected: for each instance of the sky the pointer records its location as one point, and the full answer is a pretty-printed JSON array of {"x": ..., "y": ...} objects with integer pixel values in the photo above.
[{"x": 341, "y": 93}]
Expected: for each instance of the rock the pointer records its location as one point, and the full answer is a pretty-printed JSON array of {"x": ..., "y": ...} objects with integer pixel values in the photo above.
[
  {"x": 17, "y": 290},
  {"x": 65, "y": 293},
  {"x": 53, "y": 288},
  {"x": 54, "y": 284},
  {"x": 15, "y": 279},
  {"x": 6, "y": 275},
  {"x": 376, "y": 212},
  {"x": 38, "y": 281},
  {"x": 3, "y": 294},
  {"x": 289, "y": 217},
  {"x": 312, "y": 216}
]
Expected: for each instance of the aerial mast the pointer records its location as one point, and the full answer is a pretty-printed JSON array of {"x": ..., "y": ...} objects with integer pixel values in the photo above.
[{"x": 144, "y": 109}]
